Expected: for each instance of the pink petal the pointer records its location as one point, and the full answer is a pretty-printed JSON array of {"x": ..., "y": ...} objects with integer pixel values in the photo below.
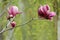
[
  {"x": 47, "y": 7},
  {"x": 15, "y": 9},
  {"x": 41, "y": 8},
  {"x": 51, "y": 14},
  {"x": 9, "y": 12}
]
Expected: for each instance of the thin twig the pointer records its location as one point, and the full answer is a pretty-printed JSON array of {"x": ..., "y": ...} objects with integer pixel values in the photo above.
[
  {"x": 25, "y": 23},
  {"x": 18, "y": 25},
  {"x": 7, "y": 25}
]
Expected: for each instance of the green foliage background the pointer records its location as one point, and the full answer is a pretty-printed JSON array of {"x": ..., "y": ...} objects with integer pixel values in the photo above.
[{"x": 34, "y": 30}]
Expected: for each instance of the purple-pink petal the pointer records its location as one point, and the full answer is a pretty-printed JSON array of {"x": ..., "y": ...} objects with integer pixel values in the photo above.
[
  {"x": 47, "y": 7},
  {"x": 51, "y": 14}
]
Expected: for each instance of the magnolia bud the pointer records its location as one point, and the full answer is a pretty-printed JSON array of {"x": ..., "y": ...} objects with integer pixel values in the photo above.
[
  {"x": 13, "y": 10},
  {"x": 9, "y": 17},
  {"x": 13, "y": 24}
]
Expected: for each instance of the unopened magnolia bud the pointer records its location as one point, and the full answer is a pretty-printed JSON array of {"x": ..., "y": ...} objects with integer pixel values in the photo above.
[
  {"x": 13, "y": 10},
  {"x": 13, "y": 24},
  {"x": 9, "y": 17}
]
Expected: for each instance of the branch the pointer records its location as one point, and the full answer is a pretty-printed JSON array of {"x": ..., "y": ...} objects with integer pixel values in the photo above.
[
  {"x": 18, "y": 25},
  {"x": 28, "y": 22},
  {"x": 7, "y": 25}
]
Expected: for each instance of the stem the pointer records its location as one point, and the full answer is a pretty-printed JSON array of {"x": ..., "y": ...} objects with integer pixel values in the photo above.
[
  {"x": 18, "y": 25},
  {"x": 7, "y": 25}
]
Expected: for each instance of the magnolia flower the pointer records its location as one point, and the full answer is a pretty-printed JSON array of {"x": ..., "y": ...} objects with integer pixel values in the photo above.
[
  {"x": 13, "y": 24},
  {"x": 13, "y": 10},
  {"x": 44, "y": 12}
]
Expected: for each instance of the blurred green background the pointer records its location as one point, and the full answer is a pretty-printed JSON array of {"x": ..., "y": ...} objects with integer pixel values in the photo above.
[{"x": 34, "y": 30}]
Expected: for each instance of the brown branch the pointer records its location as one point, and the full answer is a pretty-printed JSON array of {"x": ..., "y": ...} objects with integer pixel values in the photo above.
[
  {"x": 3, "y": 30},
  {"x": 20, "y": 25}
]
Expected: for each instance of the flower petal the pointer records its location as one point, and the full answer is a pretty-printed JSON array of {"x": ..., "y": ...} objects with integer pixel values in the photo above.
[{"x": 51, "y": 14}]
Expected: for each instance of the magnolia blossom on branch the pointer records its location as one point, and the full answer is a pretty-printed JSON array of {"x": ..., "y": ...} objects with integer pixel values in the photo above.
[
  {"x": 44, "y": 12},
  {"x": 13, "y": 11}
]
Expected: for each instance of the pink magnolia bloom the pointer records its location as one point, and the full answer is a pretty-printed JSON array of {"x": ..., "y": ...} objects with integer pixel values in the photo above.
[
  {"x": 13, "y": 10},
  {"x": 44, "y": 12},
  {"x": 13, "y": 24}
]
